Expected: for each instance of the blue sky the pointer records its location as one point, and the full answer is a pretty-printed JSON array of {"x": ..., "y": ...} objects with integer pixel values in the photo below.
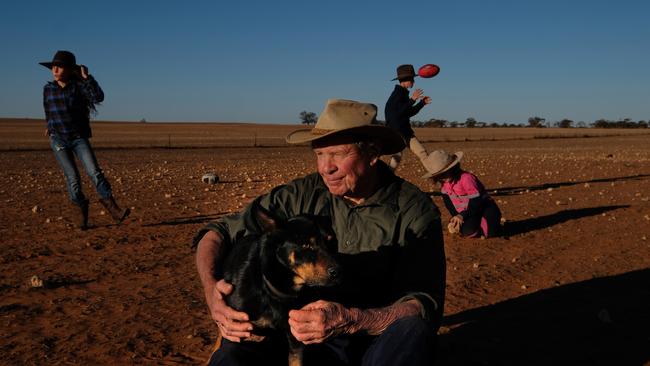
[{"x": 266, "y": 61}]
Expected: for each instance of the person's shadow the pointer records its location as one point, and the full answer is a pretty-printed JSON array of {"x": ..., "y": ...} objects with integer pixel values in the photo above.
[
  {"x": 197, "y": 219},
  {"x": 507, "y": 191},
  {"x": 512, "y": 228},
  {"x": 602, "y": 321}
]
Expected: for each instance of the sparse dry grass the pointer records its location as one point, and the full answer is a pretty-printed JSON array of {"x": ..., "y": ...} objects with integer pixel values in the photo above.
[
  {"x": 29, "y": 134},
  {"x": 16, "y": 134}
]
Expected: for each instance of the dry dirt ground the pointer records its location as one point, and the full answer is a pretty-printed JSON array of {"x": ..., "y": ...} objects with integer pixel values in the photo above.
[{"x": 568, "y": 284}]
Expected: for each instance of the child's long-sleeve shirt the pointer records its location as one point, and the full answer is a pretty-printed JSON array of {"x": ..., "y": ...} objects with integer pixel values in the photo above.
[{"x": 466, "y": 196}]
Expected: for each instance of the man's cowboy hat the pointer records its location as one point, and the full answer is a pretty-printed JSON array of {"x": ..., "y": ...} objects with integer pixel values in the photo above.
[
  {"x": 440, "y": 161},
  {"x": 350, "y": 118},
  {"x": 62, "y": 58},
  {"x": 405, "y": 72}
]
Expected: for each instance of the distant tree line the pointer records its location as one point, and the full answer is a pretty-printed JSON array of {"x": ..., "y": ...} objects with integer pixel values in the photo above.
[
  {"x": 309, "y": 118},
  {"x": 625, "y": 123},
  {"x": 533, "y": 122}
]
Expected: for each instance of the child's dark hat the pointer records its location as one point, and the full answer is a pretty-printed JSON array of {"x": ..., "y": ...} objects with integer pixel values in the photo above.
[
  {"x": 405, "y": 71},
  {"x": 61, "y": 58}
]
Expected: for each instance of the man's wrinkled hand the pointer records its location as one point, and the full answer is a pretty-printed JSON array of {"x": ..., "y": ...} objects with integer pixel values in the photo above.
[
  {"x": 233, "y": 325},
  {"x": 320, "y": 320}
]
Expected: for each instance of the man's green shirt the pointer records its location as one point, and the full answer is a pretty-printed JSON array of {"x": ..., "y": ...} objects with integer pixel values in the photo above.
[{"x": 391, "y": 246}]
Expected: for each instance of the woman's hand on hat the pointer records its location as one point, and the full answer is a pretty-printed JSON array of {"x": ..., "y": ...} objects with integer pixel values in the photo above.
[{"x": 83, "y": 70}]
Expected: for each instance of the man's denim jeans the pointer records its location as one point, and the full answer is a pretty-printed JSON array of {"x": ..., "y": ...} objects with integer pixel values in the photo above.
[
  {"x": 408, "y": 341},
  {"x": 65, "y": 151}
]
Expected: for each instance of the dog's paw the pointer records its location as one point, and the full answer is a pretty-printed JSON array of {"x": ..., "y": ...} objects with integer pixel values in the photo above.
[{"x": 254, "y": 338}]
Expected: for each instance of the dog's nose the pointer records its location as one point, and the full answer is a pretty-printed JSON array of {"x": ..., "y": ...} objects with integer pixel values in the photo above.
[{"x": 333, "y": 272}]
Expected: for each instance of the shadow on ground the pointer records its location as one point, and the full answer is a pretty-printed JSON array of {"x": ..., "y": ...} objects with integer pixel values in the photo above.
[
  {"x": 512, "y": 228},
  {"x": 602, "y": 321},
  {"x": 198, "y": 219},
  {"x": 507, "y": 191}
]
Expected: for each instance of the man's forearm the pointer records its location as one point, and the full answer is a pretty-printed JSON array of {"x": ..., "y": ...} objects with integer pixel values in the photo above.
[
  {"x": 208, "y": 252},
  {"x": 375, "y": 321}
]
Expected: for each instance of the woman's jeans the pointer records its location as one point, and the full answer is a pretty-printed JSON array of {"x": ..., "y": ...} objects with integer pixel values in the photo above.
[{"x": 65, "y": 151}]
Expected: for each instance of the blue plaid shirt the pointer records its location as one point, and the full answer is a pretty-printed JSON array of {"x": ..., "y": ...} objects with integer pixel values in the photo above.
[{"x": 66, "y": 109}]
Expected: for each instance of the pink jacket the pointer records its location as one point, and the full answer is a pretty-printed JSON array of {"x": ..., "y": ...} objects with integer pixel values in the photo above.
[{"x": 463, "y": 190}]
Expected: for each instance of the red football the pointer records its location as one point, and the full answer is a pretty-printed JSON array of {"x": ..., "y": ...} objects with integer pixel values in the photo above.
[{"x": 428, "y": 71}]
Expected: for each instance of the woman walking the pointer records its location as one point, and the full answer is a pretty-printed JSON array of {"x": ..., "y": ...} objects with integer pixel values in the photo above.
[{"x": 68, "y": 101}]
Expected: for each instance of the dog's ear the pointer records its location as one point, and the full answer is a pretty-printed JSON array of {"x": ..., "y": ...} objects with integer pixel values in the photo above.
[
  {"x": 324, "y": 224},
  {"x": 263, "y": 217}
]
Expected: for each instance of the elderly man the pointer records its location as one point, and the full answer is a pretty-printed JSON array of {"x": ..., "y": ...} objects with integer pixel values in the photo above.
[{"x": 389, "y": 306}]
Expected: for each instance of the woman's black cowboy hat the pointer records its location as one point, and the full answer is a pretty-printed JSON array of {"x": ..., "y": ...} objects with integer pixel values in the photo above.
[{"x": 62, "y": 58}]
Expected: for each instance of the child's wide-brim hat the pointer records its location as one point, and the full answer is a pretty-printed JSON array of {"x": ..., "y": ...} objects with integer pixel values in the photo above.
[
  {"x": 351, "y": 119},
  {"x": 405, "y": 72},
  {"x": 62, "y": 58},
  {"x": 440, "y": 161}
]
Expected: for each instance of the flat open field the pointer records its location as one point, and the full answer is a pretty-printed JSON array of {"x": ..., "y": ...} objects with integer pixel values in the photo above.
[
  {"x": 568, "y": 284},
  {"x": 28, "y": 134}
]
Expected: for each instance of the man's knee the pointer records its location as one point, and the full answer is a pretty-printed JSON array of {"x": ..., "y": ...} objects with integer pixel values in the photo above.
[
  {"x": 408, "y": 341},
  {"x": 248, "y": 353},
  {"x": 228, "y": 356},
  {"x": 411, "y": 328}
]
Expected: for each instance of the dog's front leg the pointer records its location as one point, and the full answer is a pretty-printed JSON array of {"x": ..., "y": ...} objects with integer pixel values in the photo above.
[{"x": 295, "y": 352}]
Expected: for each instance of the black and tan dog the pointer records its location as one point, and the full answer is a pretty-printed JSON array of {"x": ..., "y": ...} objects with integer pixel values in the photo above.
[{"x": 270, "y": 271}]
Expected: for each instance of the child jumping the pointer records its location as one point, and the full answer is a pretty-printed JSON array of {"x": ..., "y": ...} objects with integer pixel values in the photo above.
[
  {"x": 473, "y": 212},
  {"x": 400, "y": 107}
]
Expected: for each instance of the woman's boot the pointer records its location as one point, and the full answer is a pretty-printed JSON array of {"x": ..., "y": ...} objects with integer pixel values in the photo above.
[
  {"x": 82, "y": 218},
  {"x": 116, "y": 212}
]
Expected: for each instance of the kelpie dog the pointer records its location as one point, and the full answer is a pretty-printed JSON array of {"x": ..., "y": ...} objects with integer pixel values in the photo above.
[{"x": 270, "y": 271}]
